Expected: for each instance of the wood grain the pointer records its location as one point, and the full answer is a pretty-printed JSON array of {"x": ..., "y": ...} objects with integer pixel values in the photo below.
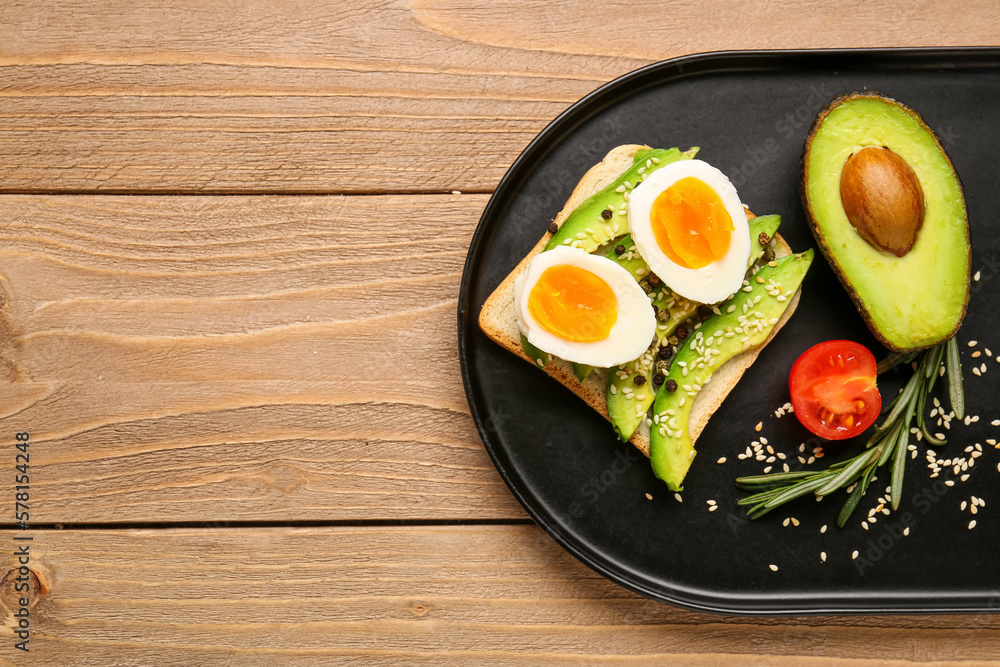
[
  {"x": 458, "y": 595},
  {"x": 359, "y": 97},
  {"x": 240, "y": 358}
]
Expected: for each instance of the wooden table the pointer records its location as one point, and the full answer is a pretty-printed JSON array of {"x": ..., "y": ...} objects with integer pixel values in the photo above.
[{"x": 248, "y": 436}]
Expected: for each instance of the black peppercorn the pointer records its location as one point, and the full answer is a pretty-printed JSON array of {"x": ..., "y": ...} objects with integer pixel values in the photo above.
[
  {"x": 671, "y": 385},
  {"x": 639, "y": 380},
  {"x": 682, "y": 332},
  {"x": 606, "y": 214},
  {"x": 619, "y": 249},
  {"x": 658, "y": 379},
  {"x": 763, "y": 239},
  {"x": 666, "y": 352},
  {"x": 553, "y": 228},
  {"x": 654, "y": 279}
]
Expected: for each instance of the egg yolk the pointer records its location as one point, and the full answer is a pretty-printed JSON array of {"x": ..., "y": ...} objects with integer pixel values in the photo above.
[
  {"x": 691, "y": 224},
  {"x": 573, "y": 303}
]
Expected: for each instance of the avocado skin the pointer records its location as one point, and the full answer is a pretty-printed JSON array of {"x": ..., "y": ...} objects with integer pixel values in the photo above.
[{"x": 893, "y": 342}]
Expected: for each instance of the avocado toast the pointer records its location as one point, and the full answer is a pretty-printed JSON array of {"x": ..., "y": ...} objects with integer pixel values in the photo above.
[{"x": 597, "y": 386}]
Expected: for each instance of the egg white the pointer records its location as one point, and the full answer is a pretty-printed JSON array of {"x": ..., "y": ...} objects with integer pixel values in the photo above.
[
  {"x": 631, "y": 334},
  {"x": 709, "y": 284}
]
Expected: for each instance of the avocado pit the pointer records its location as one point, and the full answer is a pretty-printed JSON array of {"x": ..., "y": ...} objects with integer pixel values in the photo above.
[{"x": 883, "y": 199}]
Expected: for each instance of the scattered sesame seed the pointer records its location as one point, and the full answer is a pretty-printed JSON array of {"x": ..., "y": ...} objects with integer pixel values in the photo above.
[
  {"x": 977, "y": 276},
  {"x": 823, "y": 529},
  {"x": 822, "y": 556},
  {"x": 854, "y": 555},
  {"x": 759, "y": 426},
  {"x": 972, "y": 343},
  {"x": 774, "y": 568},
  {"x": 963, "y": 506},
  {"x": 864, "y": 525},
  {"x": 976, "y": 354},
  {"x": 795, "y": 521},
  {"x": 649, "y": 496},
  {"x": 721, "y": 460},
  {"x": 972, "y": 524},
  {"x": 678, "y": 498}
]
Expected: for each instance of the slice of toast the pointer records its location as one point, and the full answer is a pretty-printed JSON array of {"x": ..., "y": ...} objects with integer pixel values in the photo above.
[{"x": 497, "y": 318}]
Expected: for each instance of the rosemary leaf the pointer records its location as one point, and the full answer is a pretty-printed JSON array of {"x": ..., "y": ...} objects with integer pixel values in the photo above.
[
  {"x": 899, "y": 465},
  {"x": 848, "y": 474},
  {"x": 774, "y": 479},
  {"x": 955, "y": 392},
  {"x": 855, "y": 497},
  {"x": 800, "y": 489}
]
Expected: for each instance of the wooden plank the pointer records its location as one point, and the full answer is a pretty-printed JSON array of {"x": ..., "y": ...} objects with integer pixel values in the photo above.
[
  {"x": 240, "y": 358},
  {"x": 360, "y": 97},
  {"x": 439, "y": 595}
]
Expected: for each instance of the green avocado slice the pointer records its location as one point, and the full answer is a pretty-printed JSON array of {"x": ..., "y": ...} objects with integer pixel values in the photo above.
[
  {"x": 745, "y": 321},
  {"x": 911, "y": 301},
  {"x": 627, "y": 402},
  {"x": 587, "y": 228}
]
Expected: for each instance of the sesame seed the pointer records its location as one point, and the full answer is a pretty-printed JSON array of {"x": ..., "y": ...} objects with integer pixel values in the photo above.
[
  {"x": 721, "y": 460},
  {"x": 854, "y": 555},
  {"x": 678, "y": 498},
  {"x": 972, "y": 343},
  {"x": 713, "y": 508},
  {"x": 822, "y": 556},
  {"x": 963, "y": 506},
  {"x": 759, "y": 426},
  {"x": 774, "y": 568},
  {"x": 977, "y": 276},
  {"x": 972, "y": 524},
  {"x": 823, "y": 529},
  {"x": 649, "y": 496},
  {"x": 976, "y": 354},
  {"x": 906, "y": 531}
]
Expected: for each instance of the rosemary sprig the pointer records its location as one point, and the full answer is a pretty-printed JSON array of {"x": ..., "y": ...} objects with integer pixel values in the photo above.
[{"x": 889, "y": 442}]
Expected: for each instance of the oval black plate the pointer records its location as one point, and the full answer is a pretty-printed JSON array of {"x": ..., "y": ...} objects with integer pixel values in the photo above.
[{"x": 749, "y": 113}]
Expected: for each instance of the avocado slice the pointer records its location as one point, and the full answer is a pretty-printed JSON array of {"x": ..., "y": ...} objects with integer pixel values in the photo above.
[
  {"x": 587, "y": 227},
  {"x": 908, "y": 271},
  {"x": 745, "y": 321},
  {"x": 628, "y": 402}
]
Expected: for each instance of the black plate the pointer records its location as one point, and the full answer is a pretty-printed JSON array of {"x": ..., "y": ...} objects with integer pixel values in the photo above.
[{"x": 749, "y": 113}]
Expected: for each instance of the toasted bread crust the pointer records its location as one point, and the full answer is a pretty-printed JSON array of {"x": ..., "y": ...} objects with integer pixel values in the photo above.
[{"x": 497, "y": 318}]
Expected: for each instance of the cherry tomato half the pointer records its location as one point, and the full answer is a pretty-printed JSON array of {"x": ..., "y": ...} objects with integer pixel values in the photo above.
[{"x": 833, "y": 389}]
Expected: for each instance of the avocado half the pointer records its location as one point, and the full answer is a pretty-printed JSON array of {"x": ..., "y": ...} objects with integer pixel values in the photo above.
[{"x": 911, "y": 301}]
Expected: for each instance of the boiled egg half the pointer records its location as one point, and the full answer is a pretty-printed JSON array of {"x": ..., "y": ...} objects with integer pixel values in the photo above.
[
  {"x": 689, "y": 225},
  {"x": 583, "y": 308}
]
